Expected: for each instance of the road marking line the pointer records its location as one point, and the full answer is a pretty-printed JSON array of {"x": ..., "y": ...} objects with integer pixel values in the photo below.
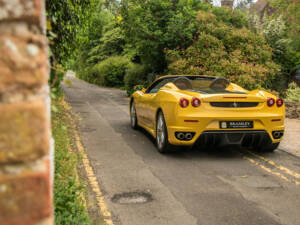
[
  {"x": 282, "y": 168},
  {"x": 272, "y": 172},
  {"x": 103, "y": 209}
]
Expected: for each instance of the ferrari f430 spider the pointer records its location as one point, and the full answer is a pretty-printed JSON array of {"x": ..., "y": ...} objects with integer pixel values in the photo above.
[{"x": 207, "y": 111}]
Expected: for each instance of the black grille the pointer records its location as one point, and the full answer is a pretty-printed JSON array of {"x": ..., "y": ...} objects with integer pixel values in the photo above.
[
  {"x": 234, "y": 104},
  {"x": 245, "y": 138}
]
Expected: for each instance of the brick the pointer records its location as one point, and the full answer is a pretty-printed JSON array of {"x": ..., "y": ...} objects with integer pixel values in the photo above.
[
  {"x": 25, "y": 198},
  {"x": 23, "y": 62},
  {"x": 23, "y": 10},
  {"x": 47, "y": 221},
  {"x": 24, "y": 131}
]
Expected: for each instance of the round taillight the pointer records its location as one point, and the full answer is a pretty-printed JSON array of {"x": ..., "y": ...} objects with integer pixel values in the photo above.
[
  {"x": 279, "y": 102},
  {"x": 184, "y": 102},
  {"x": 196, "y": 102},
  {"x": 270, "y": 102}
]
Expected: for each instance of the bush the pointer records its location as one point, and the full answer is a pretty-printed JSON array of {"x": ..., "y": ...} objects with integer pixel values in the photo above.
[
  {"x": 111, "y": 71},
  {"x": 229, "y": 17},
  {"x": 136, "y": 74},
  {"x": 293, "y": 93},
  {"x": 286, "y": 48},
  {"x": 221, "y": 50}
]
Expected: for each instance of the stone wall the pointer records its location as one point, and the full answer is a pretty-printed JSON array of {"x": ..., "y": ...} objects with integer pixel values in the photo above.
[
  {"x": 25, "y": 137},
  {"x": 292, "y": 110}
]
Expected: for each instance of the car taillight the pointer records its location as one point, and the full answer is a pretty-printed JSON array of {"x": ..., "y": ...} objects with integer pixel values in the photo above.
[
  {"x": 196, "y": 102},
  {"x": 279, "y": 102},
  {"x": 270, "y": 102},
  {"x": 184, "y": 102}
]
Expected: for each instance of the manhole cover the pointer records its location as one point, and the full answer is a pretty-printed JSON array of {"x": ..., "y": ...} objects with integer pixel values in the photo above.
[{"x": 132, "y": 198}]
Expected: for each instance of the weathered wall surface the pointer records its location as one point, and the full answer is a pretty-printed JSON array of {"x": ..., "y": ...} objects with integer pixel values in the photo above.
[
  {"x": 292, "y": 110},
  {"x": 25, "y": 161}
]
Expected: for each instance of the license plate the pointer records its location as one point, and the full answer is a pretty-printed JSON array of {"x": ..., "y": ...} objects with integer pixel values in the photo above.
[{"x": 236, "y": 124}]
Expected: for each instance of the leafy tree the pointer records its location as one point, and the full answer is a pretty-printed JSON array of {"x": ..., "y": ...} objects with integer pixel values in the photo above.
[
  {"x": 112, "y": 43},
  {"x": 282, "y": 32},
  {"x": 224, "y": 50},
  {"x": 90, "y": 41},
  {"x": 289, "y": 11},
  {"x": 64, "y": 20},
  {"x": 154, "y": 25}
]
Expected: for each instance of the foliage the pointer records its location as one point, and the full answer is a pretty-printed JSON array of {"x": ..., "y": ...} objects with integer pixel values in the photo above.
[
  {"x": 289, "y": 9},
  {"x": 64, "y": 20},
  {"x": 275, "y": 32},
  {"x": 241, "y": 55},
  {"x": 281, "y": 29},
  {"x": 135, "y": 75},
  {"x": 111, "y": 44},
  {"x": 151, "y": 26},
  {"x": 231, "y": 18},
  {"x": 68, "y": 204},
  {"x": 293, "y": 93},
  {"x": 88, "y": 54},
  {"x": 111, "y": 71},
  {"x": 167, "y": 36}
]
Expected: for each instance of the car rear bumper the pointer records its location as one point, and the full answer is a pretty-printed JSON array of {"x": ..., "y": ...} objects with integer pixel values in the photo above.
[
  {"x": 249, "y": 138},
  {"x": 207, "y": 130}
]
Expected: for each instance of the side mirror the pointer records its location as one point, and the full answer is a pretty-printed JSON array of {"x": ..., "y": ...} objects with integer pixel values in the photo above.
[{"x": 139, "y": 87}]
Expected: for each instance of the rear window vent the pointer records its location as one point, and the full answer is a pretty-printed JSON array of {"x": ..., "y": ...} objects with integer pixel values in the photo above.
[{"x": 234, "y": 104}]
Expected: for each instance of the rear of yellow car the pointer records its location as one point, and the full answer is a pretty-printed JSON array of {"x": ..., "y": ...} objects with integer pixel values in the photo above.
[{"x": 252, "y": 119}]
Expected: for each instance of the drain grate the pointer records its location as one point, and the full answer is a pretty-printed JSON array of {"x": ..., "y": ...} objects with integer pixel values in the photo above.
[{"x": 132, "y": 198}]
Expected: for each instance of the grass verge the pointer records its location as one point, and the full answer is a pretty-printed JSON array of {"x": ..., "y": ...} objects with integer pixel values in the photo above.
[{"x": 69, "y": 203}]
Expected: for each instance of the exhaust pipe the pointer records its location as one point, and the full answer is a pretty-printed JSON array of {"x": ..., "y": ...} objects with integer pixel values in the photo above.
[
  {"x": 180, "y": 136},
  {"x": 277, "y": 134},
  {"x": 188, "y": 136}
]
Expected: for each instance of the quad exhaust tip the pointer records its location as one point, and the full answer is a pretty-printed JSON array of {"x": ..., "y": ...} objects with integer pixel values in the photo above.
[
  {"x": 188, "y": 136},
  {"x": 180, "y": 136},
  {"x": 277, "y": 134},
  {"x": 185, "y": 136}
]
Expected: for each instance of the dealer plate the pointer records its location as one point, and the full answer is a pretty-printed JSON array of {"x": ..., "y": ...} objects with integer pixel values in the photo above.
[{"x": 236, "y": 124}]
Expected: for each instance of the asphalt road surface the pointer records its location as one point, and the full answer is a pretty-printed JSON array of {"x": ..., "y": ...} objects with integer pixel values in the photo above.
[{"x": 187, "y": 187}]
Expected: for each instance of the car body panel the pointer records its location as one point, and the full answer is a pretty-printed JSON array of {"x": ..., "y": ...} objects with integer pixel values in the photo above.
[{"x": 208, "y": 117}]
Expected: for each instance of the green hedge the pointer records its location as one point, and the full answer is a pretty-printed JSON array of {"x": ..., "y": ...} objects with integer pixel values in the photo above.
[
  {"x": 222, "y": 50},
  {"x": 136, "y": 74},
  {"x": 111, "y": 71}
]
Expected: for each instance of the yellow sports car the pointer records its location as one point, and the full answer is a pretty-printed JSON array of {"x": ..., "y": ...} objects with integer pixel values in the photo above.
[{"x": 209, "y": 111}]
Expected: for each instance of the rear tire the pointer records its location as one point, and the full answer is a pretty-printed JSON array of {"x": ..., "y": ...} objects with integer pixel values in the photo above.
[
  {"x": 133, "y": 117},
  {"x": 162, "y": 143}
]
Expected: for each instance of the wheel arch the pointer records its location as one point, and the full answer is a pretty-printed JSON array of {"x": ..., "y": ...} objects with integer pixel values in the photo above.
[
  {"x": 158, "y": 110},
  {"x": 130, "y": 102}
]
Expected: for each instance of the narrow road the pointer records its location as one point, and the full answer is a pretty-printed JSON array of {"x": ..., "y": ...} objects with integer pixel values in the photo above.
[{"x": 187, "y": 187}]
